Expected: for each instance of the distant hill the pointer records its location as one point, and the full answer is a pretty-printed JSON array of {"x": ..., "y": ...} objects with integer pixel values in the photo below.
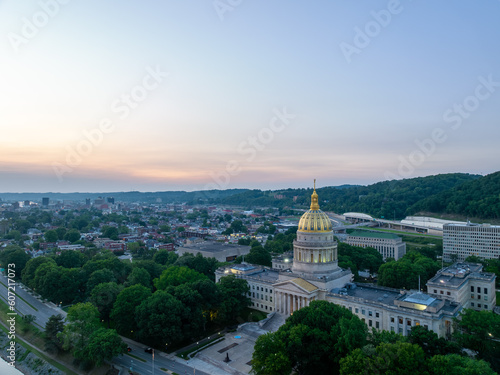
[
  {"x": 478, "y": 198},
  {"x": 388, "y": 199}
]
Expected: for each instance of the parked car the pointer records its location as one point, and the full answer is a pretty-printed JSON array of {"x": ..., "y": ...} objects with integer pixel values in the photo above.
[{"x": 148, "y": 350}]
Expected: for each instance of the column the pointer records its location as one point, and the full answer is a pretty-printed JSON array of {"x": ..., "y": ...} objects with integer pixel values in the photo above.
[
  {"x": 277, "y": 302},
  {"x": 287, "y": 304}
]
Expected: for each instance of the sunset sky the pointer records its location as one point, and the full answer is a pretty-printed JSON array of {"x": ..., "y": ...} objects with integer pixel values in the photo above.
[{"x": 120, "y": 95}]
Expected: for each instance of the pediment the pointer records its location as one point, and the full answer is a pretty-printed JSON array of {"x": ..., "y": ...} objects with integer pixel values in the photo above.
[{"x": 296, "y": 286}]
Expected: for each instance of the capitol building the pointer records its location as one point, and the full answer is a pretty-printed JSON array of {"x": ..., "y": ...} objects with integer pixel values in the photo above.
[{"x": 314, "y": 274}]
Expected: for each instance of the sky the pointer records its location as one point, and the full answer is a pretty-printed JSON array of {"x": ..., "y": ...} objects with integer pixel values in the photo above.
[{"x": 120, "y": 95}]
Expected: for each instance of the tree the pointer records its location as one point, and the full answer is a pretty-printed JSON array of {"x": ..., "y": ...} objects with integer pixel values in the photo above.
[
  {"x": 313, "y": 339},
  {"x": 103, "y": 344},
  {"x": 110, "y": 232},
  {"x": 123, "y": 312},
  {"x": 165, "y": 257},
  {"x": 234, "y": 298},
  {"x": 70, "y": 259},
  {"x": 54, "y": 325},
  {"x": 210, "y": 297},
  {"x": 139, "y": 276},
  {"x": 175, "y": 275},
  {"x": 259, "y": 255},
  {"x": 164, "y": 228},
  {"x": 400, "y": 358},
  {"x": 14, "y": 255},
  {"x": 82, "y": 320},
  {"x": 51, "y": 236},
  {"x": 103, "y": 296},
  {"x": 193, "y": 320},
  {"x": 61, "y": 231},
  {"x": 99, "y": 277},
  {"x": 430, "y": 342},
  {"x": 454, "y": 364},
  {"x": 72, "y": 235},
  {"x": 28, "y": 274},
  {"x": 277, "y": 363},
  {"x": 480, "y": 331},
  {"x": 159, "y": 319},
  {"x": 199, "y": 263}
]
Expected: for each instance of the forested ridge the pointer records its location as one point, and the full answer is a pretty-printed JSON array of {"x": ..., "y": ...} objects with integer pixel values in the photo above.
[
  {"x": 478, "y": 198},
  {"x": 389, "y": 199}
]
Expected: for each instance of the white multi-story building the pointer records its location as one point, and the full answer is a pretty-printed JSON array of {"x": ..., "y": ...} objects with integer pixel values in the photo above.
[
  {"x": 463, "y": 240},
  {"x": 465, "y": 283},
  {"x": 396, "y": 311},
  {"x": 314, "y": 274},
  {"x": 387, "y": 244}
]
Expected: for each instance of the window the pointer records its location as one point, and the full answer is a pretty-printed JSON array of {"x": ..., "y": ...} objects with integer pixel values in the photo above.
[
  {"x": 485, "y": 291},
  {"x": 370, "y": 313},
  {"x": 377, "y": 315},
  {"x": 472, "y": 304},
  {"x": 253, "y": 287},
  {"x": 426, "y": 326},
  {"x": 357, "y": 310},
  {"x": 479, "y": 305},
  {"x": 377, "y": 324},
  {"x": 485, "y": 298},
  {"x": 478, "y": 297},
  {"x": 270, "y": 299},
  {"x": 408, "y": 322},
  {"x": 370, "y": 323},
  {"x": 400, "y": 320},
  {"x": 448, "y": 293},
  {"x": 479, "y": 289},
  {"x": 350, "y": 308},
  {"x": 440, "y": 292},
  {"x": 363, "y": 311},
  {"x": 392, "y": 329},
  {"x": 485, "y": 306},
  {"x": 435, "y": 291},
  {"x": 472, "y": 296},
  {"x": 472, "y": 289},
  {"x": 253, "y": 294},
  {"x": 266, "y": 290},
  {"x": 392, "y": 319}
]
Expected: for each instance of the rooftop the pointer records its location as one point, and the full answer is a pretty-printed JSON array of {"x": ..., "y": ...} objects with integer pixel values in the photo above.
[
  {"x": 459, "y": 272},
  {"x": 213, "y": 247},
  {"x": 369, "y": 234}
]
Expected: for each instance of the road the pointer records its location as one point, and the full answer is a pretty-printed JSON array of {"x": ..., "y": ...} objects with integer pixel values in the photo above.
[
  {"x": 42, "y": 311},
  {"x": 161, "y": 361}
]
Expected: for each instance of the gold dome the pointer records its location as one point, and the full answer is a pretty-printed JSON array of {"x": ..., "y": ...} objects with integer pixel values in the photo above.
[{"x": 315, "y": 220}]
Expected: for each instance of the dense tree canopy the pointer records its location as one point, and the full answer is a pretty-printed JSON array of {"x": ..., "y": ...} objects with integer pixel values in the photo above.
[
  {"x": 405, "y": 272},
  {"x": 123, "y": 312},
  {"x": 177, "y": 275},
  {"x": 312, "y": 341},
  {"x": 480, "y": 331}
]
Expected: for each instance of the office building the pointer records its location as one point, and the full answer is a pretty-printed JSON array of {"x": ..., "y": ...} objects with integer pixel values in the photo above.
[{"x": 463, "y": 240}]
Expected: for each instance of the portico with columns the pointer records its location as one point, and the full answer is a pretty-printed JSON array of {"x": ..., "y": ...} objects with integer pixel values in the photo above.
[{"x": 292, "y": 295}]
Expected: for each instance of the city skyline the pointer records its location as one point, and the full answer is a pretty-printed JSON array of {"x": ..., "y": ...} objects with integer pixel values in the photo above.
[{"x": 234, "y": 94}]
